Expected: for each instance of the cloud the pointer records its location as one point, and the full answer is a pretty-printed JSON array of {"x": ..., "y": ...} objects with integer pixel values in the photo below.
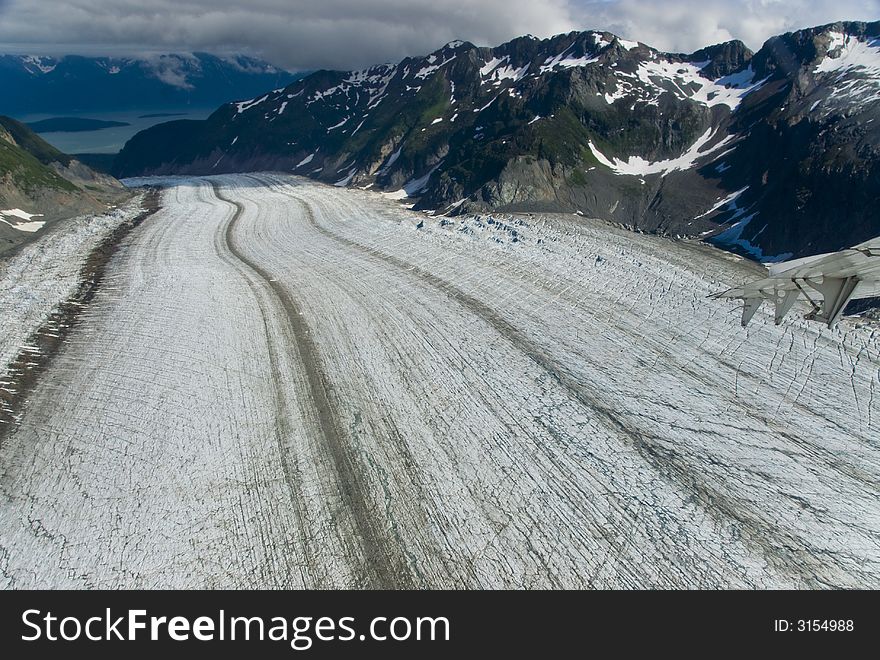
[
  {"x": 171, "y": 70},
  {"x": 296, "y": 34},
  {"x": 344, "y": 34}
]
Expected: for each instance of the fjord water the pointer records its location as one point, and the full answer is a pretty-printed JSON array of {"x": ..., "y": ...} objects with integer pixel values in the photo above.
[{"x": 111, "y": 140}]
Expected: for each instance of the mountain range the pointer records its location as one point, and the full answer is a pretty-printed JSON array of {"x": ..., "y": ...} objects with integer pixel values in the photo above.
[
  {"x": 74, "y": 83},
  {"x": 773, "y": 154}
]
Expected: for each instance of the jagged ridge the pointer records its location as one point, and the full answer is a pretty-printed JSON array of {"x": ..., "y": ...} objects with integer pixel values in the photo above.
[{"x": 772, "y": 153}]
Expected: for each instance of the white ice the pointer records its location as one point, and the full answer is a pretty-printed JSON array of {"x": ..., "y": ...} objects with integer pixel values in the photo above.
[
  {"x": 638, "y": 166},
  {"x": 524, "y": 402}
]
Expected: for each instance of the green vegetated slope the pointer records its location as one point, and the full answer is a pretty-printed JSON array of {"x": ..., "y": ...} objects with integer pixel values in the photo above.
[{"x": 25, "y": 159}]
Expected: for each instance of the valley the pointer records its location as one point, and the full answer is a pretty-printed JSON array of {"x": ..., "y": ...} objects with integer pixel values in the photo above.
[{"x": 286, "y": 384}]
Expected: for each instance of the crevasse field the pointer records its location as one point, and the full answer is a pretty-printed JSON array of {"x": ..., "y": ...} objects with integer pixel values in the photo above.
[{"x": 286, "y": 384}]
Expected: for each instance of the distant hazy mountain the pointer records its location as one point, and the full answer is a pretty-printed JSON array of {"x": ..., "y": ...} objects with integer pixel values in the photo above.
[
  {"x": 72, "y": 125},
  {"x": 771, "y": 153},
  {"x": 32, "y": 84}
]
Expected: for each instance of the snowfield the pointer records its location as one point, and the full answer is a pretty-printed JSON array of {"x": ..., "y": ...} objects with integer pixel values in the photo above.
[
  {"x": 21, "y": 220},
  {"x": 638, "y": 166},
  {"x": 855, "y": 66},
  {"x": 285, "y": 384}
]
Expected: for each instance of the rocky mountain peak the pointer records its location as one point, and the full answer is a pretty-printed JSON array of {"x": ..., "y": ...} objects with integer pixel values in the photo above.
[{"x": 723, "y": 59}]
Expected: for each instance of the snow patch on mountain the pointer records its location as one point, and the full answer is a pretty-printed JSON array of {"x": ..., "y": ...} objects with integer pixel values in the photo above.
[
  {"x": 856, "y": 64},
  {"x": 344, "y": 181},
  {"x": 339, "y": 124},
  {"x": 730, "y": 199},
  {"x": 29, "y": 227},
  {"x": 566, "y": 61},
  {"x": 23, "y": 221},
  {"x": 390, "y": 161},
  {"x": 431, "y": 67},
  {"x": 305, "y": 161},
  {"x": 490, "y": 66},
  {"x": 638, "y": 166},
  {"x": 244, "y": 106},
  {"x": 379, "y": 85},
  {"x": 493, "y": 72},
  {"x": 849, "y": 52},
  {"x": 373, "y": 82},
  {"x": 600, "y": 40},
  {"x": 18, "y": 213},
  {"x": 411, "y": 187},
  {"x": 41, "y": 64},
  {"x": 396, "y": 195},
  {"x": 415, "y": 186},
  {"x": 685, "y": 81}
]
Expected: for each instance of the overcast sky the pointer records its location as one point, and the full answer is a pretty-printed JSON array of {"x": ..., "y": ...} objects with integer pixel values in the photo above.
[{"x": 345, "y": 34}]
